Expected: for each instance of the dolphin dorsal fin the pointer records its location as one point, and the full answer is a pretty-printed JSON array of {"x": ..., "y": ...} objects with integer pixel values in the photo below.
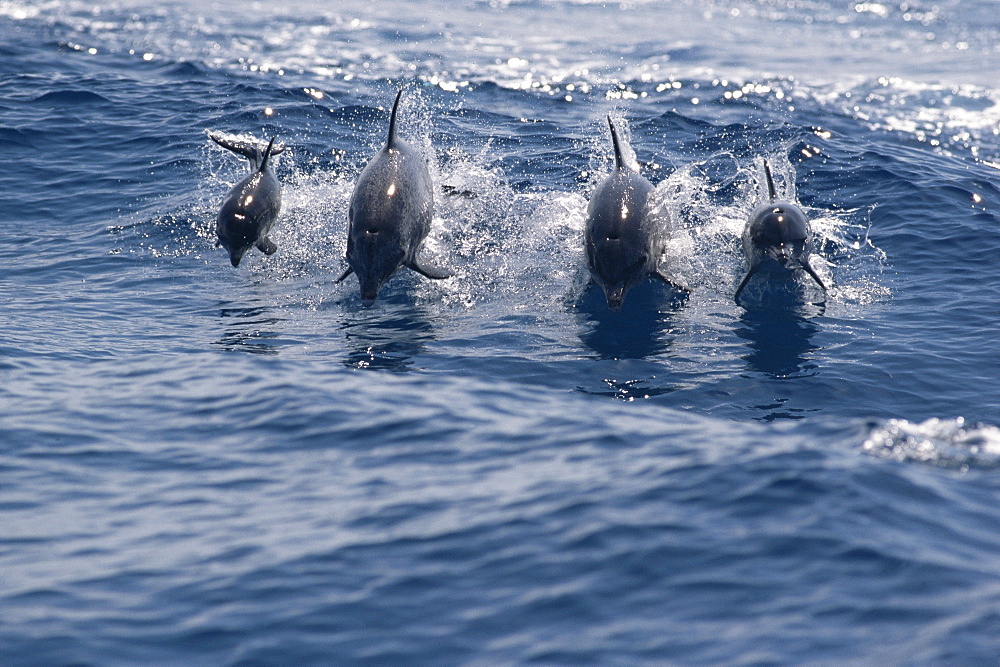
[
  {"x": 267, "y": 154},
  {"x": 770, "y": 181},
  {"x": 392, "y": 120},
  {"x": 619, "y": 160}
]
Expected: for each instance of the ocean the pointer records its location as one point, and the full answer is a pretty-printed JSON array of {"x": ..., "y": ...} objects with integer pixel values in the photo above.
[{"x": 208, "y": 465}]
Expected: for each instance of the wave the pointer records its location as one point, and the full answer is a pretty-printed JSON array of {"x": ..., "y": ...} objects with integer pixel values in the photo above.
[{"x": 70, "y": 98}]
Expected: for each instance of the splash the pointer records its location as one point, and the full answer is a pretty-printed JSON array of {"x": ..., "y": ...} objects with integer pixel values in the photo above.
[
  {"x": 949, "y": 443},
  {"x": 516, "y": 245}
]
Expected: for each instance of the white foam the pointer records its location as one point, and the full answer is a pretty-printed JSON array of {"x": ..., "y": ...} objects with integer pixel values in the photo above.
[{"x": 944, "y": 442}]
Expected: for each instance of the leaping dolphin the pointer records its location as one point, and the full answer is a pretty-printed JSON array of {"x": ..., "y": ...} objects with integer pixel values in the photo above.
[
  {"x": 251, "y": 207},
  {"x": 390, "y": 215},
  {"x": 624, "y": 242},
  {"x": 777, "y": 230}
]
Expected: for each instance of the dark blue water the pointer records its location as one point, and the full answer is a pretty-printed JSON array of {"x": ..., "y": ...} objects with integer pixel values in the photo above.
[{"x": 218, "y": 466}]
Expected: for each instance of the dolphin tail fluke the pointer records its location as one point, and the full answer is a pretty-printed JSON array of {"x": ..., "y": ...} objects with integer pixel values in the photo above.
[
  {"x": 812, "y": 272},
  {"x": 771, "y": 193},
  {"x": 428, "y": 271},
  {"x": 743, "y": 283},
  {"x": 343, "y": 275},
  {"x": 392, "y": 119},
  {"x": 267, "y": 246},
  {"x": 251, "y": 150}
]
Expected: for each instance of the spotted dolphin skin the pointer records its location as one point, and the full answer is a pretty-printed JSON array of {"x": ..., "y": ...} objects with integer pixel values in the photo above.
[
  {"x": 250, "y": 208},
  {"x": 390, "y": 215},
  {"x": 624, "y": 243},
  {"x": 779, "y": 231}
]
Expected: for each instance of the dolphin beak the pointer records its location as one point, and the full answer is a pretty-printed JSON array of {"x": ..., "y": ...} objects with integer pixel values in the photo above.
[
  {"x": 780, "y": 253},
  {"x": 368, "y": 296},
  {"x": 615, "y": 296},
  {"x": 369, "y": 287}
]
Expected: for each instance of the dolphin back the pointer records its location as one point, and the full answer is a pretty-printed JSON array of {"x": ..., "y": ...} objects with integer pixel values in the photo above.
[{"x": 393, "y": 200}]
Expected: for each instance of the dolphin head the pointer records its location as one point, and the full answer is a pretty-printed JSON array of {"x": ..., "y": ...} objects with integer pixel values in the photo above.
[
  {"x": 234, "y": 240},
  {"x": 375, "y": 254},
  {"x": 370, "y": 284},
  {"x": 241, "y": 221},
  {"x": 617, "y": 268},
  {"x": 779, "y": 230},
  {"x": 787, "y": 253}
]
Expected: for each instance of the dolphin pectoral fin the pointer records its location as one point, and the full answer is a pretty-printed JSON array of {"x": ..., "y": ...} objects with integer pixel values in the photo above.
[
  {"x": 659, "y": 275},
  {"x": 346, "y": 273},
  {"x": 267, "y": 246},
  {"x": 743, "y": 283},
  {"x": 432, "y": 272},
  {"x": 812, "y": 272}
]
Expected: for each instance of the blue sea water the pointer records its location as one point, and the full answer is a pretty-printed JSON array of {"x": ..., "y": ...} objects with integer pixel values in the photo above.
[{"x": 218, "y": 466}]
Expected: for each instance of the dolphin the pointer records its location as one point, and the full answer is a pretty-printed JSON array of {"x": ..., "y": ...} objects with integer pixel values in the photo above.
[
  {"x": 777, "y": 230},
  {"x": 250, "y": 208},
  {"x": 390, "y": 215},
  {"x": 624, "y": 242}
]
